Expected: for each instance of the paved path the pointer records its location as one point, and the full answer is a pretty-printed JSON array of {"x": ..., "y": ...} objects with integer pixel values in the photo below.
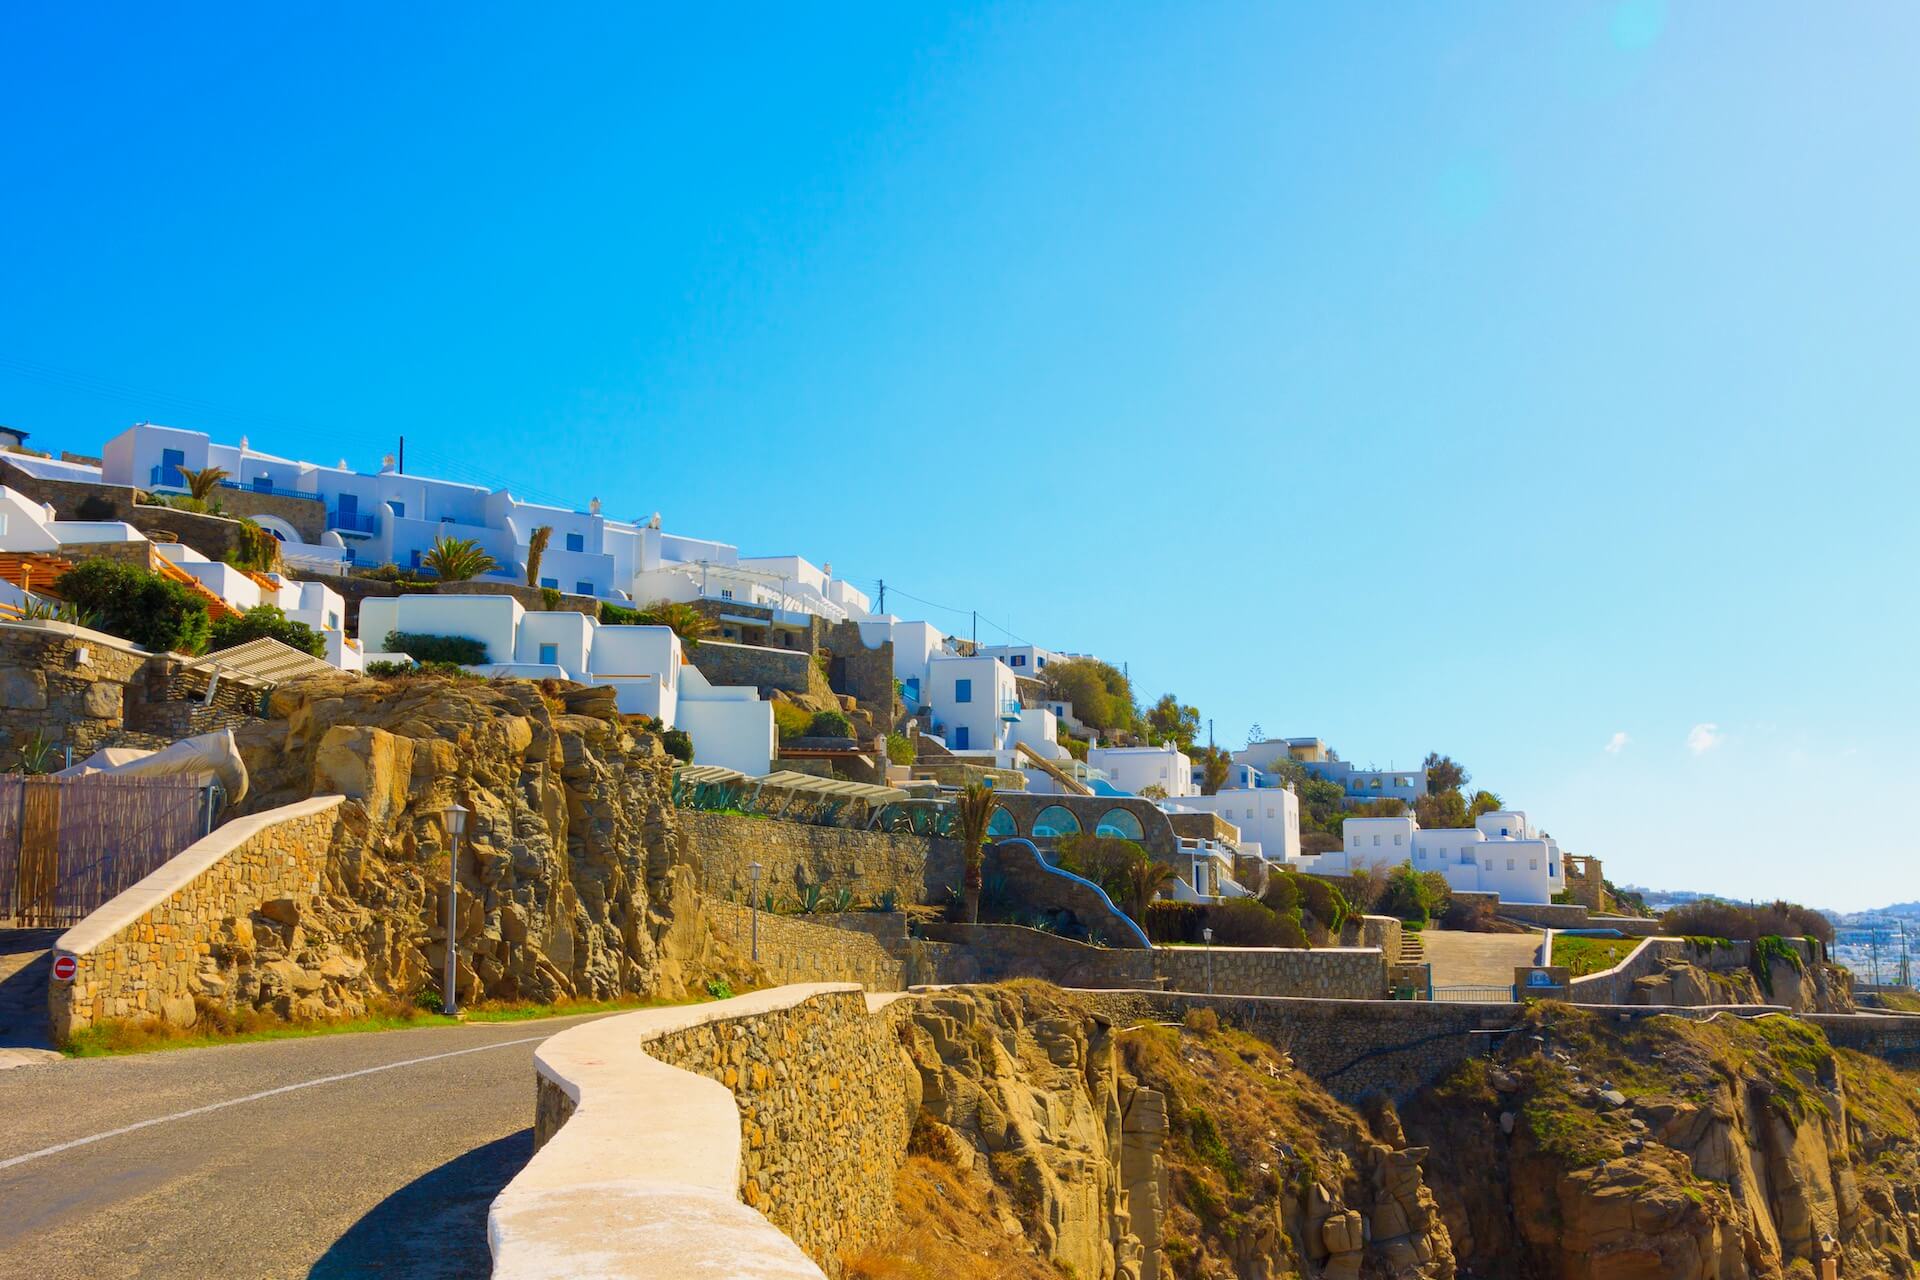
[
  {"x": 386, "y": 1172},
  {"x": 1476, "y": 959},
  {"x": 26, "y": 964}
]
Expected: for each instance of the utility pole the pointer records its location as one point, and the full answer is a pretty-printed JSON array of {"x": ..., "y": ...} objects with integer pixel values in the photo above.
[
  {"x": 1873, "y": 942},
  {"x": 883, "y": 596},
  {"x": 402, "y": 464},
  {"x": 976, "y": 630}
]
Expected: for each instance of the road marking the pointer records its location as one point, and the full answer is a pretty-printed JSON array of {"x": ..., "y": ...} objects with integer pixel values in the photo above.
[{"x": 255, "y": 1097}]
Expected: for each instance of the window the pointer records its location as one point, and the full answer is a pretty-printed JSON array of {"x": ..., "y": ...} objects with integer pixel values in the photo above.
[
  {"x": 1269, "y": 813},
  {"x": 1042, "y": 662},
  {"x": 398, "y": 508},
  {"x": 1019, "y": 659},
  {"x": 1001, "y": 826},
  {"x": 1503, "y": 831},
  {"x": 960, "y": 737},
  {"x": 550, "y": 582},
  {"x": 333, "y": 620},
  {"x": 1533, "y": 864},
  {"x": 1553, "y": 870},
  {"x": 1121, "y": 824},
  {"x": 1489, "y": 864},
  {"x": 1055, "y": 821},
  {"x": 1509, "y": 864},
  {"x": 1398, "y": 840},
  {"x": 576, "y": 542},
  {"x": 263, "y": 484},
  {"x": 416, "y": 559},
  {"x": 1376, "y": 842},
  {"x": 963, "y": 691},
  {"x": 726, "y": 593},
  {"x": 550, "y": 654},
  {"x": 583, "y": 588}
]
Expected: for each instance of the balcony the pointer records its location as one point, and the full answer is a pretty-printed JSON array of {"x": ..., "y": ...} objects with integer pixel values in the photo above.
[
  {"x": 1010, "y": 708},
  {"x": 360, "y": 522},
  {"x": 261, "y": 484}
]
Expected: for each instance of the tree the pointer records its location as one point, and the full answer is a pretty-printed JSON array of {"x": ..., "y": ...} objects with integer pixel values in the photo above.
[
  {"x": 685, "y": 621},
  {"x": 1416, "y": 896},
  {"x": 1256, "y": 734},
  {"x": 1168, "y": 721},
  {"x": 202, "y": 483},
  {"x": 1439, "y": 809},
  {"x": 1145, "y": 880},
  {"x": 1483, "y": 802},
  {"x": 1105, "y": 860},
  {"x": 536, "y": 552},
  {"x": 457, "y": 559},
  {"x": 1214, "y": 765},
  {"x": 976, "y": 805},
  {"x": 155, "y": 613},
  {"x": 1443, "y": 774},
  {"x": 267, "y": 622},
  {"x": 1098, "y": 692}
]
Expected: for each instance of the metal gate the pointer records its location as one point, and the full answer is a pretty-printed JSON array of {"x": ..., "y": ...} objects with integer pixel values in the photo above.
[
  {"x": 67, "y": 845},
  {"x": 1473, "y": 995}
]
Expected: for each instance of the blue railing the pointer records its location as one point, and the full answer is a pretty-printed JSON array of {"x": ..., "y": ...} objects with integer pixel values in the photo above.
[
  {"x": 1010, "y": 709},
  {"x": 353, "y": 521},
  {"x": 164, "y": 475},
  {"x": 263, "y": 485}
]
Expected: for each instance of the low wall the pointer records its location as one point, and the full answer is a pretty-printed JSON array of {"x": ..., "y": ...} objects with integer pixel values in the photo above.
[
  {"x": 67, "y": 683},
  {"x": 813, "y": 948},
  {"x": 659, "y": 1133},
  {"x": 1563, "y": 915},
  {"x": 718, "y": 847},
  {"x": 1894, "y": 1037},
  {"x": 996, "y": 952},
  {"x": 141, "y": 953},
  {"x": 1329, "y": 973},
  {"x": 724, "y": 662}
]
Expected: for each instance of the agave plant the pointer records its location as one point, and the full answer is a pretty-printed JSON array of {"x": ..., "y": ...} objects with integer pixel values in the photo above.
[
  {"x": 36, "y": 754},
  {"x": 457, "y": 559},
  {"x": 42, "y": 609}
]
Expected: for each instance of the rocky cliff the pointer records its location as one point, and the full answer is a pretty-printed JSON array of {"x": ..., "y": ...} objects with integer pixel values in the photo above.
[
  {"x": 567, "y": 886},
  {"x": 1051, "y": 1142},
  {"x": 1586, "y": 1149}
]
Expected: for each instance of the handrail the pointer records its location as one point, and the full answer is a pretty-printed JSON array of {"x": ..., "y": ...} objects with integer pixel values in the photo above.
[{"x": 1139, "y": 934}]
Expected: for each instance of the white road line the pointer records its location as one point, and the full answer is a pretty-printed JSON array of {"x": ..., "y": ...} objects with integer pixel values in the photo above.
[{"x": 255, "y": 1097}]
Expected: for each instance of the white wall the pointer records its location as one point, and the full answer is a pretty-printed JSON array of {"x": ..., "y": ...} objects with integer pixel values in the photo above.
[
  {"x": 1268, "y": 816},
  {"x": 988, "y": 684},
  {"x": 730, "y": 725},
  {"x": 492, "y": 620},
  {"x": 1136, "y": 768},
  {"x": 25, "y": 525}
]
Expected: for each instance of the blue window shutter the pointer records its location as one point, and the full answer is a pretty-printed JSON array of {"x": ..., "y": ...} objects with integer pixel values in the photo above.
[
  {"x": 576, "y": 542},
  {"x": 550, "y": 654},
  {"x": 583, "y": 588},
  {"x": 963, "y": 691}
]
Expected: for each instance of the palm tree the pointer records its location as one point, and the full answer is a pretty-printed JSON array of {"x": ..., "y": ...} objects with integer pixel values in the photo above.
[
  {"x": 456, "y": 559},
  {"x": 1144, "y": 882},
  {"x": 685, "y": 621},
  {"x": 202, "y": 483},
  {"x": 536, "y": 551},
  {"x": 976, "y": 811}
]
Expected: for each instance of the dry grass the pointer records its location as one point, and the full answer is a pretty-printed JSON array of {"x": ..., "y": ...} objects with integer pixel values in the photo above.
[{"x": 948, "y": 1231}]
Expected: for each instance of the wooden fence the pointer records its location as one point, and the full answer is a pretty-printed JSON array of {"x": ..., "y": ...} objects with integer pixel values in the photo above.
[{"x": 67, "y": 845}]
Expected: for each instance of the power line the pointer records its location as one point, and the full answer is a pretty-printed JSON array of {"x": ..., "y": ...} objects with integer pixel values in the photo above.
[{"x": 947, "y": 608}]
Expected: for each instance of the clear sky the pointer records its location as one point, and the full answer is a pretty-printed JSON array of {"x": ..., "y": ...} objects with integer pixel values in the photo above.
[{"x": 1533, "y": 382}]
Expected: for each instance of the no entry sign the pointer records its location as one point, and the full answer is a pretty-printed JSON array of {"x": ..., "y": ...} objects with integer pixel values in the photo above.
[{"x": 64, "y": 967}]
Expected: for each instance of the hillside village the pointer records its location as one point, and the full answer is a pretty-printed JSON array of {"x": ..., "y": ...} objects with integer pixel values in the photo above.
[
  {"x": 921, "y": 955},
  {"x": 763, "y": 663}
]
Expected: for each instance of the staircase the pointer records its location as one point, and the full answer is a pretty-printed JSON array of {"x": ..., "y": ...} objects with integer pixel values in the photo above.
[{"x": 26, "y": 967}]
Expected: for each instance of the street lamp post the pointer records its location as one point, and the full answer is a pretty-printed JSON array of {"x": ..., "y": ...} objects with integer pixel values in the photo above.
[
  {"x": 1206, "y": 936},
  {"x": 753, "y": 877},
  {"x": 456, "y": 815}
]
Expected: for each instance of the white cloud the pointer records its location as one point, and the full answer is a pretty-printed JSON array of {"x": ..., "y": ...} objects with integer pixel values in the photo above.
[
  {"x": 1703, "y": 738},
  {"x": 1618, "y": 743}
]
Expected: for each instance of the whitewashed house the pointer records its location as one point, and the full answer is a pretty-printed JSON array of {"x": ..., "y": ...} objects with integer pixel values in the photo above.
[
  {"x": 1268, "y": 817},
  {"x": 1134, "y": 769},
  {"x": 1503, "y": 853},
  {"x": 730, "y": 725},
  {"x": 975, "y": 702}
]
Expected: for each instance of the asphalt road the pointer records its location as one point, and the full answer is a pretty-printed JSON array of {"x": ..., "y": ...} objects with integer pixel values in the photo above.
[{"x": 385, "y": 1172}]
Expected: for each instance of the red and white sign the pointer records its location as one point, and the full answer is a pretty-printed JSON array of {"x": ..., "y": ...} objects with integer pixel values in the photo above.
[{"x": 64, "y": 967}]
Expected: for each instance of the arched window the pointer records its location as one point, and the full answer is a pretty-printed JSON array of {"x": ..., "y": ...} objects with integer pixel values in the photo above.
[
  {"x": 1120, "y": 823},
  {"x": 1001, "y": 825},
  {"x": 1054, "y": 822}
]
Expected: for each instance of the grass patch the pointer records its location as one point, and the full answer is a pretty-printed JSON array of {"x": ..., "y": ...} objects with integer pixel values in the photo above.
[
  {"x": 220, "y": 1027},
  {"x": 1586, "y": 956}
]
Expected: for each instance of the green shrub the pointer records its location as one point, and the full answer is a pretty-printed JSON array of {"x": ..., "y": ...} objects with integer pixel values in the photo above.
[
  {"x": 1415, "y": 896},
  {"x": 901, "y": 749},
  {"x": 615, "y": 615},
  {"x": 1105, "y": 860},
  {"x": 1713, "y": 918},
  {"x": 153, "y": 612},
  {"x": 550, "y": 597},
  {"x": 1174, "y": 921},
  {"x": 462, "y": 650},
  {"x": 719, "y": 988},
  {"x": 830, "y": 724},
  {"x": 1243, "y": 922},
  {"x": 384, "y": 670},
  {"x": 791, "y": 721},
  {"x": 678, "y": 745},
  {"x": 267, "y": 622}
]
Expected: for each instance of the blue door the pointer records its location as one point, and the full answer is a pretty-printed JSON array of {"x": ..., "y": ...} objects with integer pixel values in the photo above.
[
  {"x": 959, "y": 737},
  {"x": 170, "y": 460}
]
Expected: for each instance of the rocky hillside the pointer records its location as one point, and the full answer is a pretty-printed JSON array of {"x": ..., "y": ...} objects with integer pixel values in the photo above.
[
  {"x": 1591, "y": 1150},
  {"x": 567, "y": 886},
  {"x": 1146, "y": 1152}
]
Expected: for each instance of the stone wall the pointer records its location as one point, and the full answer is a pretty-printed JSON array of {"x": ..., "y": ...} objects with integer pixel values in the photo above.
[
  {"x": 1156, "y": 826},
  {"x": 142, "y": 953},
  {"x": 861, "y": 673},
  {"x": 723, "y": 662},
  {"x": 1328, "y": 973},
  {"x": 1586, "y": 882},
  {"x": 653, "y": 1128},
  {"x": 719, "y": 847},
  {"x": 810, "y": 948},
  {"x": 996, "y": 952},
  {"x": 1563, "y": 915},
  {"x": 67, "y": 683},
  {"x": 115, "y": 502},
  {"x": 1038, "y": 887}
]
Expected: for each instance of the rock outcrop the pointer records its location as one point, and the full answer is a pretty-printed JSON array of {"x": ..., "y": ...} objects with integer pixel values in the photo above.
[
  {"x": 567, "y": 885},
  {"x": 1588, "y": 1150},
  {"x": 1816, "y": 987}
]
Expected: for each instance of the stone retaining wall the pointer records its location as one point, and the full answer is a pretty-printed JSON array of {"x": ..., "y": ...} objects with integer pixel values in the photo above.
[
  {"x": 141, "y": 954},
  {"x": 1329, "y": 973},
  {"x": 996, "y": 952},
  {"x": 655, "y": 1131},
  {"x": 67, "y": 683},
  {"x": 724, "y": 662},
  {"x": 813, "y": 948},
  {"x": 1563, "y": 915},
  {"x": 718, "y": 848}
]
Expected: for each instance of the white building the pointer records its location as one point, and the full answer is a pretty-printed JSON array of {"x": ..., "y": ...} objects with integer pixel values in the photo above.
[
  {"x": 1134, "y": 769},
  {"x": 975, "y": 702},
  {"x": 1266, "y": 816},
  {"x": 1501, "y": 853},
  {"x": 1027, "y": 659},
  {"x": 730, "y": 725}
]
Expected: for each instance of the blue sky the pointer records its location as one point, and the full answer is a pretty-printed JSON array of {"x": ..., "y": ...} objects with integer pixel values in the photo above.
[{"x": 1511, "y": 380}]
